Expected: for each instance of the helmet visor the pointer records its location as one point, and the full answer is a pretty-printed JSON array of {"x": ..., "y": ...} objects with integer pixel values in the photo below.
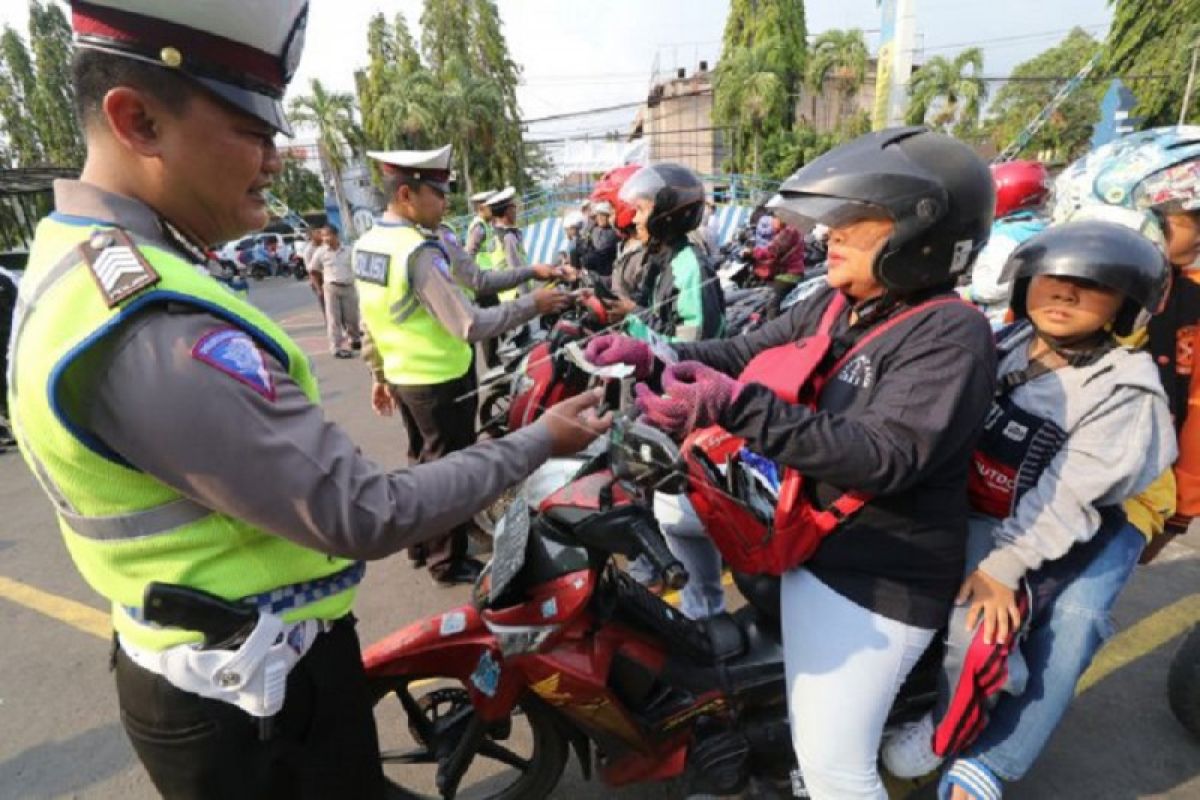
[
  {"x": 644, "y": 185},
  {"x": 806, "y": 211}
]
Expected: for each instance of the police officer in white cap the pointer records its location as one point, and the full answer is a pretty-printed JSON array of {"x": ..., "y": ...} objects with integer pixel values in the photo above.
[
  {"x": 421, "y": 329},
  {"x": 149, "y": 401},
  {"x": 479, "y": 232}
]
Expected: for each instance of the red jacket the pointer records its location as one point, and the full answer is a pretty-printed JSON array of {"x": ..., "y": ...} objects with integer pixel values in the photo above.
[{"x": 783, "y": 256}]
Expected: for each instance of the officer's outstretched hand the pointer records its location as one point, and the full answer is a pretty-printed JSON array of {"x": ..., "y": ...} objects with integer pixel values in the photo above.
[
  {"x": 551, "y": 301},
  {"x": 382, "y": 399},
  {"x": 574, "y": 424}
]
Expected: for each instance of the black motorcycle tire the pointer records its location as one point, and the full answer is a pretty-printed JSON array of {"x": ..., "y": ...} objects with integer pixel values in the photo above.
[
  {"x": 1183, "y": 683},
  {"x": 548, "y": 760}
]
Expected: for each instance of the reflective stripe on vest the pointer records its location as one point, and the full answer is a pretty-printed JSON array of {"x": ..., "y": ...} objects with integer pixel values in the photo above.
[
  {"x": 416, "y": 348},
  {"x": 124, "y": 528}
]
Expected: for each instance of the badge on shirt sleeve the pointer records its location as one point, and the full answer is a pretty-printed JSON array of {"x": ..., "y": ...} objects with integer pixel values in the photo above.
[
  {"x": 372, "y": 267},
  {"x": 443, "y": 266},
  {"x": 119, "y": 269},
  {"x": 233, "y": 352}
]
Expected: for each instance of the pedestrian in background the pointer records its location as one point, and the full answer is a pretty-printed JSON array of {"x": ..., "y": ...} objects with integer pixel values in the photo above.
[{"x": 341, "y": 298}]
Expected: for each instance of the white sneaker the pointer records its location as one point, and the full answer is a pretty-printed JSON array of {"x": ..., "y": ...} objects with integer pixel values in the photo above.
[{"x": 908, "y": 753}]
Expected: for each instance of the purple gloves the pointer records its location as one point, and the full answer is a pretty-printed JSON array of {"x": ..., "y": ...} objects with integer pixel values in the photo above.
[
  {"x": 694, "y": 396},
  {"x": 613, "y": 348}
]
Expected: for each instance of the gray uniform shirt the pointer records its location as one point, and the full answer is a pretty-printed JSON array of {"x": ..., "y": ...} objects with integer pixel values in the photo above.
[
  {"x": 480, "y": 281},
  {"x": 476, "y": 235},
  {"x": 429, "y": 277},
  {"x": 213, "y": 438}
]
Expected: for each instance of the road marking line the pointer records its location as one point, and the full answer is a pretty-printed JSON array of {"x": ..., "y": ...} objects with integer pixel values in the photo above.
[
  {"x": 1143, "y": 637},
  {"x": 77, "y": 615}
]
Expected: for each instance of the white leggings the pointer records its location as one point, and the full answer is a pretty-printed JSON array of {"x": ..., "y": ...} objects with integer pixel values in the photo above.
[{"x": 845, "y": 665}]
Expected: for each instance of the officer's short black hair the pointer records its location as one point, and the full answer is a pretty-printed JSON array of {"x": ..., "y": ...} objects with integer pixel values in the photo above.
[{"x": 95, "y": 73}]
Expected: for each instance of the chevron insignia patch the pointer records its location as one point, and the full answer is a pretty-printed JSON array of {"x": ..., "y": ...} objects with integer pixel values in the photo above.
[{"x": 119, "y": 269}]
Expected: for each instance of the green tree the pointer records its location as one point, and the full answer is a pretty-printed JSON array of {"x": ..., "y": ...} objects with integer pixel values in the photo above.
[
  {"x": 468, "y": 103},
  {"x": 331, "y": 114},
  {"x": 395, "y": 91},
  {"x": 840, "y": 56},
  {"x": 460, "y": 87},
  {"x": 758, "y": 76},
  {"x": 298, "y": 186},
  {"x": 751, "y": 98},
  {"x": 51, "y": 109},
  {"x": 948, "y": 93},
  {"x": 1068, "y": 131},
  {"x": 787, "y": 151},
  {"x": 1154, "y": 38},
  {"x": 17, "y": 87}
]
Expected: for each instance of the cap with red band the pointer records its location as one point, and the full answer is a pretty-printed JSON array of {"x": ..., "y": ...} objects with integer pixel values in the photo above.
[{"x": 244, "y": 51}]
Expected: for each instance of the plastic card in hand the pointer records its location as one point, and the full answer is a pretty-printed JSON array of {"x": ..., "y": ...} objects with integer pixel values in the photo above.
[
  {"x": 613, "y": 371},
  {"x": 512, "y": 534},
  {"x": 661, "y": 347}
]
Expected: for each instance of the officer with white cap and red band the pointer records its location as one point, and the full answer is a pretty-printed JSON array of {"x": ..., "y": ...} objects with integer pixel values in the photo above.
[
  {"x": 149, "y": 400},
  {"x": 421, "y": 328}
]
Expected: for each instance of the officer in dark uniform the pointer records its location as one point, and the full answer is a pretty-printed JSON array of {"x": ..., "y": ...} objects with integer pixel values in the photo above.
[{"x": 150, "y": 400}]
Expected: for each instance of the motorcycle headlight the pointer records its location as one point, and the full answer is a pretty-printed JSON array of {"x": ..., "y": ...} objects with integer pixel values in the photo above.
[{"x": 515, "y": 640}]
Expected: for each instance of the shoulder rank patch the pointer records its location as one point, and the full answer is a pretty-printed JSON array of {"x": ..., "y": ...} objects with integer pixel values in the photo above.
[
  {"x": 372, "y": 267},
  {"x": 233, "y": 352},
  {"x": 120, "y": 270}
]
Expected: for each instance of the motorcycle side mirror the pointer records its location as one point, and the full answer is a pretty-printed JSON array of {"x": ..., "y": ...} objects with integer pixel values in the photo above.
[{"x": 646, "y": 456}]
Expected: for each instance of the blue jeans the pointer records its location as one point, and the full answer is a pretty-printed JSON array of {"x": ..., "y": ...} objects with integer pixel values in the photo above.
[
  {"x": 703, "y": 595},
  {"x": 1068, "y": 629}
]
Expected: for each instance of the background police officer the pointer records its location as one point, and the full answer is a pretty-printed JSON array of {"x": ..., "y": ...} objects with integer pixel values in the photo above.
[
  {"x": 149, "y": 400},
  {"x": 421, "y": 328}
]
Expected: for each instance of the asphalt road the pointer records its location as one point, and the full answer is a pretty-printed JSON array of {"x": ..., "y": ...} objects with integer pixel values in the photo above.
[{"x": 59, "y": 730}]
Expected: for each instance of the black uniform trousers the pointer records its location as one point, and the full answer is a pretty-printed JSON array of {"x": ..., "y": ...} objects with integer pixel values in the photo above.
[
  {"x": 8, "y": 306},
  {"x": 439, "y": 419},
  {"x": 323, "y": 744}
]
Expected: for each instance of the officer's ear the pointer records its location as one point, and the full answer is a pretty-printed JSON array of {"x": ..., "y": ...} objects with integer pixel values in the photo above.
[{"x": 134, "y": 119}]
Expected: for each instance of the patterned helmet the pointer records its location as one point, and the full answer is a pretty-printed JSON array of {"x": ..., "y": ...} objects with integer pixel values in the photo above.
[{"x": 1154, "y": 170}]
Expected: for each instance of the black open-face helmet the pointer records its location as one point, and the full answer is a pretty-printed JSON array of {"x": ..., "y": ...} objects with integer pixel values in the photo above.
[
  {"x": 935, "y": 190},
  {"x": 678, "y": 197},
  {"x": 1105, "y": 253}
]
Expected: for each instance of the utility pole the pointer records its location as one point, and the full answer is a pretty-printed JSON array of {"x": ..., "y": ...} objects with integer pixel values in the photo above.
[{"x": 1191, "y": 82}]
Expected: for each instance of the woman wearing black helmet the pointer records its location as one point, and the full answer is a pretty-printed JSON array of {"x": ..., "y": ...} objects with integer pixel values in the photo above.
[
  {"x": 1078, "y": 426},
  {"x": 686, "y": 303},
  {"x": 908, "y": 211}
]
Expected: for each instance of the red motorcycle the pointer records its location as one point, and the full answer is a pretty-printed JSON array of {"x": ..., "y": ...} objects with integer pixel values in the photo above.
[
  {"x": 540, "y": 376},
  {"x": 560, "y": 641}
]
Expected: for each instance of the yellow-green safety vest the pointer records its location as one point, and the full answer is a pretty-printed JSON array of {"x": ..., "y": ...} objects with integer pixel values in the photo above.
[
  {"x": 500, "y": 259},
  {"x": 485, "y": 258},
  {"x": 123, "y": 527},
  {"x": 416, "y": 348}
]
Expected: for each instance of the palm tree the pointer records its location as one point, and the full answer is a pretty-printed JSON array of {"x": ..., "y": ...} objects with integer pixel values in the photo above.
[
  {"x": 332, "y": 114},
  {"x": 958, "y": 86},
  {"x": 749, "y": 94},
  {"x": 468, "y": 106},
  {"x": 842, "y": 56}
]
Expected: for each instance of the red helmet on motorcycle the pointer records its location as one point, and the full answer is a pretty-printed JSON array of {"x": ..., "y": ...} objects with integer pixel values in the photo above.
[
  {"x": 608, "y": 189},
  {"x": 1019, "y": 185}
]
